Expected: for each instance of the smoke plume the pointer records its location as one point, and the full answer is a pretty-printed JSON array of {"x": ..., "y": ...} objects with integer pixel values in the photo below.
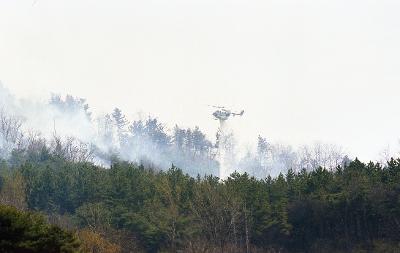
[{"x": 65, "y": 127}]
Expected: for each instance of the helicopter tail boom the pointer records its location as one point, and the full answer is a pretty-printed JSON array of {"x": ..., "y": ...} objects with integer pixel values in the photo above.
[{"x": 238, "y": 114}]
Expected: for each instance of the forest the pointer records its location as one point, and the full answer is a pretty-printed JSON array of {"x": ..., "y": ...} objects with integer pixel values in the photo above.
[
  {"x": 62, "y": 194},
  {"x": 68, "y": 128},
  {"x": 130, "y": 208}
]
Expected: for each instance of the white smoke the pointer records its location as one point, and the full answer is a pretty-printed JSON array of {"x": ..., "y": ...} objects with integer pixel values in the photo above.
[
  {"x": 67, "y": 127},
  {"x": 72, "y": 132},
  {"x": 40, "y": 120},
  {"x": 227, "y": 155}
]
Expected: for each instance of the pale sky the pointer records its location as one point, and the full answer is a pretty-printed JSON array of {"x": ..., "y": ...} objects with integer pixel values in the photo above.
[{"x": 304, "y": 71}]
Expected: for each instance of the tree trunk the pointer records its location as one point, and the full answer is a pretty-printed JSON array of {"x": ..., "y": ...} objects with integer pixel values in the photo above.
[{"x": 246, "y": 230}]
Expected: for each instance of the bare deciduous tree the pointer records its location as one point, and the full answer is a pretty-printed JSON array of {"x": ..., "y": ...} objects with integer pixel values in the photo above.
[
  {"x": 71, "y": 149},
  {"x": 328, "y": 156},
  {"x": 10, "y": 132}
]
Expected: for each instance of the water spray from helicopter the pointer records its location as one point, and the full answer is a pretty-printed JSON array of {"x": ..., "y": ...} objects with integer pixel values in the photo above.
[{"x": 225, "y": 139}]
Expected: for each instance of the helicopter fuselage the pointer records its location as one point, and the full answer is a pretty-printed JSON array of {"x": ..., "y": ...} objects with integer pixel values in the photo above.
[{"x": 222, "y": 114}]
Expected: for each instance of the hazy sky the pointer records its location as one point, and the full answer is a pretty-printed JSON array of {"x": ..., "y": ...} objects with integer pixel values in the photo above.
[{"x": 302, "y": 70}]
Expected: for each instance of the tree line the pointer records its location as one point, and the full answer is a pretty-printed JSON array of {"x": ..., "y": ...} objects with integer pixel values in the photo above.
[
  {"x": 279, "y": 199},
  {"x": 69, "y": 130},
  {"x": 131, "y": 208}
]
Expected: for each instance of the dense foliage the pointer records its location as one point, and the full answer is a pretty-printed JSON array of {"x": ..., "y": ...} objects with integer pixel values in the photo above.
[
  {"x": 30, "y": 233},
  {"x": 355, "y": 208},
  {"x": 321, "y": 201}
]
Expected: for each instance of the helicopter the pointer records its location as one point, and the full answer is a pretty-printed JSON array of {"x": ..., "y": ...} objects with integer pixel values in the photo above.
[{"x": 223, "y": 114}]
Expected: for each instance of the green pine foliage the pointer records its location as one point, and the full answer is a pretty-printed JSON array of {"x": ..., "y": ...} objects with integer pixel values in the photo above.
[
  {"x": 29, "y": 233},
  {"x": 355, "y": 208}
]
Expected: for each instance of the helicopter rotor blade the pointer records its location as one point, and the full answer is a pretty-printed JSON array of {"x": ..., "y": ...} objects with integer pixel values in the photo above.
[{"x": 215, "y": 106}]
